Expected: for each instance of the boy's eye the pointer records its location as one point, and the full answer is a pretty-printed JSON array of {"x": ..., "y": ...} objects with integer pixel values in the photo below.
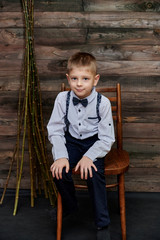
[
  {"x": 74, "y": 78},
  {"x": 85, "y": 79}
]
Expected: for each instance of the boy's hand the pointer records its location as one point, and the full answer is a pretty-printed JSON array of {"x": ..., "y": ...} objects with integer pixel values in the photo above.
[
  {"x": 85, "y": 165},
  {"x": 57, "y": 167}
]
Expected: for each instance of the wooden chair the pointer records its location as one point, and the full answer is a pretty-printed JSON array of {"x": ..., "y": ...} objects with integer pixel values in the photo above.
[{"x": 116, "y": 161}]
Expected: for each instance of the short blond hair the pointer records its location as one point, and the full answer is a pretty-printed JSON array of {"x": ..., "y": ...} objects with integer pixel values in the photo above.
[{"x": 81, "y": 59}]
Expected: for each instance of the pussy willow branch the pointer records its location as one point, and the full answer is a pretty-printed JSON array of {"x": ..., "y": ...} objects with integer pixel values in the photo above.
[{"x": 30, "y": 120}]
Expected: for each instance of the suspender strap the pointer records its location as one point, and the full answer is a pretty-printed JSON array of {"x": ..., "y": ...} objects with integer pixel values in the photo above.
[
  {"x": 99, "y": 96},
  {"x": 67, "y": 106}
]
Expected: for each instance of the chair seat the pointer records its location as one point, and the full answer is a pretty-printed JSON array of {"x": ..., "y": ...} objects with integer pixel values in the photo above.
[{"x": 116, "y": 162}]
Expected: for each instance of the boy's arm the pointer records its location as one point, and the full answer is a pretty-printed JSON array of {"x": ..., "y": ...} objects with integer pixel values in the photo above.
[
  {"x": 56, "y": 127},
  {"x": 105, "y": 133}
]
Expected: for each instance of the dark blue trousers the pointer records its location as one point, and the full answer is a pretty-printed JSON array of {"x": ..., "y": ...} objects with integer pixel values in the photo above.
[{"x": 96, "y": 185}]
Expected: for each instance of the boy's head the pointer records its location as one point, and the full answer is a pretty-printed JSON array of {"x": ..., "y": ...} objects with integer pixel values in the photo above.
[
  {"x": 82, "y": 73},
  {"x": 82, "y": 59}
]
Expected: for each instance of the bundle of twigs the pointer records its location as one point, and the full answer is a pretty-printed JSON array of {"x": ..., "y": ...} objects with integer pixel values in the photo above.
[{"x": 30, "y": 122}]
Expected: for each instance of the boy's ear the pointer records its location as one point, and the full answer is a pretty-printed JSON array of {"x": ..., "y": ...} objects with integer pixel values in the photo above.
[
  {"x": 96, "y": 79},
  {"x": 67, "y": 76}
]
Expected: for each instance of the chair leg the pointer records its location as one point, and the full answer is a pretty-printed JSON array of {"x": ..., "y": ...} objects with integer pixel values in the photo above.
[
  {"x": 59, "y": 216},
  {"x": 122, "y": 206}
]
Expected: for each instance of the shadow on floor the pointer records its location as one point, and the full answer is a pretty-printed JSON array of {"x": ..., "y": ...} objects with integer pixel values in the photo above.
[{"x": 142, "y": 214}]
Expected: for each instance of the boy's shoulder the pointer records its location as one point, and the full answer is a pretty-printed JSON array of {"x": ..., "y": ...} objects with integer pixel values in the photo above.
[
  {"x": 62, "y": 95},
  {"x": 104, "y": 99}
]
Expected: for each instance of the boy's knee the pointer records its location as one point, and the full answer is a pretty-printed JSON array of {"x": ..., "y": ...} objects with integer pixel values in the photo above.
[
  {"x": 96, "y": 176},
  {"x": 65, "y": 176}
]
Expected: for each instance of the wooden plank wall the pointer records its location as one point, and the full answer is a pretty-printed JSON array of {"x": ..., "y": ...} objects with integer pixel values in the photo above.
[{"x": 124, "y": 36}]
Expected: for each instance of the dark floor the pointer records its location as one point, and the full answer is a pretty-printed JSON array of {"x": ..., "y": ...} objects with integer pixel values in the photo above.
[{"x": 142, "y": 213}]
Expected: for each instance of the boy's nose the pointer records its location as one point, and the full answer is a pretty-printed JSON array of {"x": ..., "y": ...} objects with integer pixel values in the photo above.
[{"x": 79, "y": 82}]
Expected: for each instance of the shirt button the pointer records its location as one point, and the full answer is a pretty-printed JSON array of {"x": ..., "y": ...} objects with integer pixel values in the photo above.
[
  {"x": 79, "y": 110},
  {"x": 79, "y": 124},
  {"x": 80, "y": 135}
]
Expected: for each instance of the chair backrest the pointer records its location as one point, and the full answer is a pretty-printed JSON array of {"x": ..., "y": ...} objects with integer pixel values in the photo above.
[{"x": 114, "y": 95}]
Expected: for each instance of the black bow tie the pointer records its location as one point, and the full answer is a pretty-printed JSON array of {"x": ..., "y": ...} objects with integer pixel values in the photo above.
[{"x": 84, "y": 102}]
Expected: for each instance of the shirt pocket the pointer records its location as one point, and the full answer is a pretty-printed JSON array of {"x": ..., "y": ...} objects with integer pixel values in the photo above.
[
  {"x": 92, "y": 118},
  {"x": 92, "y": 121}
]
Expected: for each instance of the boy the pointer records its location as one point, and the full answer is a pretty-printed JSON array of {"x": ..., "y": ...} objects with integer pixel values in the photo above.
[{"x": 82, "y": 133}]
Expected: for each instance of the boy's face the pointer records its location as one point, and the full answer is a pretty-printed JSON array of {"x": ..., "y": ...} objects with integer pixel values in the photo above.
[{"x": 82, "y": 80}]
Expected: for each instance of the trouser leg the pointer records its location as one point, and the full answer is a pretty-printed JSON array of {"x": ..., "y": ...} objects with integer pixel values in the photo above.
[
  {"x": 66, "y": 188},
  {"x": 98, "y": 194},
  {"x": 65, "y": 185}
]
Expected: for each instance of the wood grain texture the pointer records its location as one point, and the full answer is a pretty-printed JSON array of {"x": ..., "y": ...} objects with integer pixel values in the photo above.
[
  {"x": 85, "y": 5},
  {"x": 146, "y": 20},
  {"x": 122, "y": 5},
  {"x": 43, "y": 5},
  {"x": 103, "y": 52},
  {"x": 9, "y": 81},
  {"x": 107, "y": 68},
  {"x": 94, "y": 36}
]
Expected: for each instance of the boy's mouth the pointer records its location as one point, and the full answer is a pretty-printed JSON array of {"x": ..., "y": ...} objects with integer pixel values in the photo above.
[{"x": 79, "y": 90}]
